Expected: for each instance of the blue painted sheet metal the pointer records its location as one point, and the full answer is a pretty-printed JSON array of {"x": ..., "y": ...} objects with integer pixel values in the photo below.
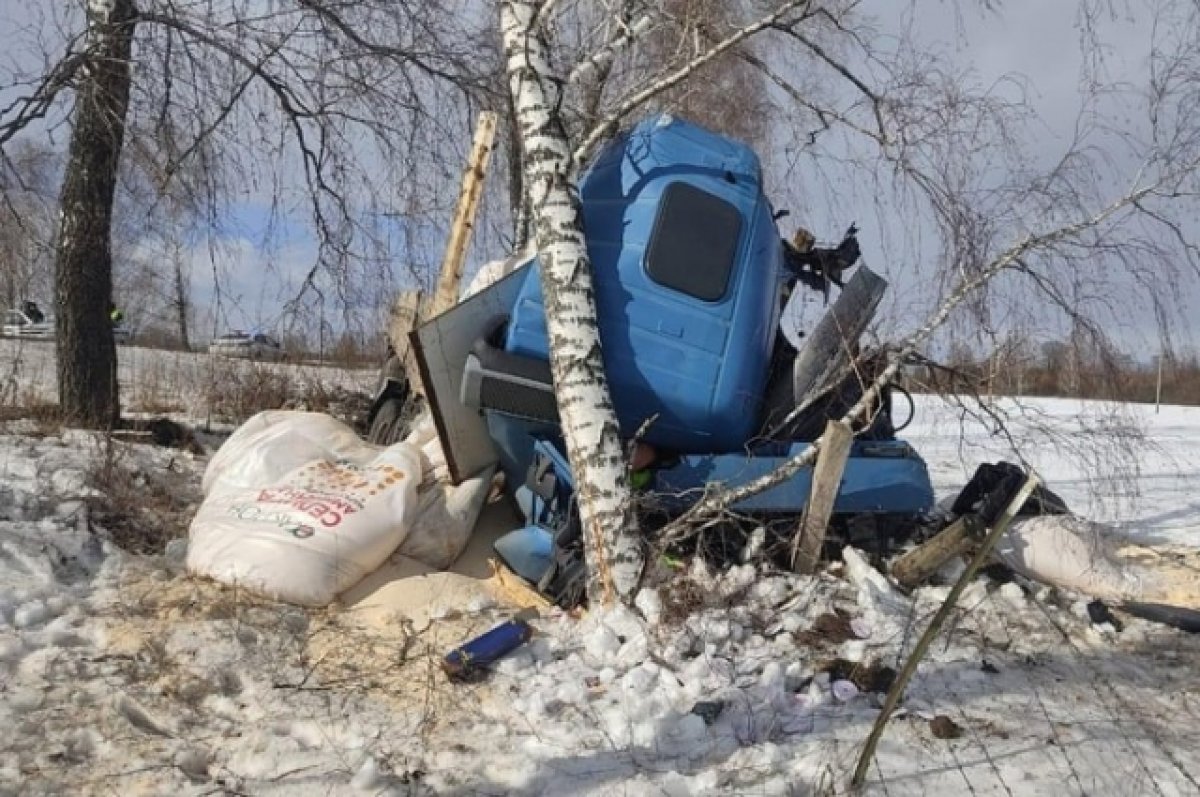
[
  {"x": 699, "y": 365},
  {"x": 884, "y": 476},
  {"x": 879, "y": 477}
]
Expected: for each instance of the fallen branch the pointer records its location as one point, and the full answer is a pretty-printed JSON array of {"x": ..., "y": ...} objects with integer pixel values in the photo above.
[
  {"x": 918, "y": 565},
  {"x": 935, "y": 625}
]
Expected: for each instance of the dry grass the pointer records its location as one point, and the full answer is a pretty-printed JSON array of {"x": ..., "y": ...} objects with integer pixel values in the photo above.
[
  {"x": 46, "y": 417},
  {"x": 234, "y": 394},
  {"x": 140, "y": 509},
  {"x": 211, "y": 389}
]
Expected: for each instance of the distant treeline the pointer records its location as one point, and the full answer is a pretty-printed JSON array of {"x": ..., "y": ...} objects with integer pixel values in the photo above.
[{"x": 1060, "y": 369}]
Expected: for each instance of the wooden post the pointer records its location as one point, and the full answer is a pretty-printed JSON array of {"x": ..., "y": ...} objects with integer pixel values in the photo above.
[
  {"x": 827, "y": 479},
  {"x": 450, "y": 276},
  {"x": 916, "y": 566},
  {"x": 935, "y": 625}
]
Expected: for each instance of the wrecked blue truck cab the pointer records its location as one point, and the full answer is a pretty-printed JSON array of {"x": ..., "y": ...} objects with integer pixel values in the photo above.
[
  {"x": 690, "y": 278},
  {"x": 687, "y": 267}
]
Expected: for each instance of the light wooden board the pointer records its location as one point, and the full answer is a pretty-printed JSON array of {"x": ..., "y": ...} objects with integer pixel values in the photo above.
[
  {"x": 451, "y": 272},
  {"x": 918, "y": 565},
  {"x": 827, "y": 480}
]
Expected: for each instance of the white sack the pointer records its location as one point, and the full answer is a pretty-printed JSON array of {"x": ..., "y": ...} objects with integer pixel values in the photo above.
[
  {"x": 446, "y": 514},
  {"x": 1072, "y": 553},
  {"x": 299, "y": 509},
  {"x": 275, "y": 442}
]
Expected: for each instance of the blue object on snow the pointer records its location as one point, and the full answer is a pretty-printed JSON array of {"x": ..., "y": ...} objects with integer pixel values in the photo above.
[
  {"x": 528, "y": 551},
  {"x": 688, "y": 263},
  {"x": 469, "y": 659}
]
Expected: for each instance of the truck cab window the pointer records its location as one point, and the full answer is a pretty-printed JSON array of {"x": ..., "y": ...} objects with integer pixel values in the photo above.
[{"x": 695, "y": 238}]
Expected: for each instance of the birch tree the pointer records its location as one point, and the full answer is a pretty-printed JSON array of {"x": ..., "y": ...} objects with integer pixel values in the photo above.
[
  {"x": 890, "y": 115},
  {"x": 589, "y": 421},
  {"x": 551, "y": 159}
]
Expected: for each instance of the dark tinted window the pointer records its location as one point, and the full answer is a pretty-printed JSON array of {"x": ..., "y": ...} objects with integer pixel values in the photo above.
[{"x": 694, "y": 241}]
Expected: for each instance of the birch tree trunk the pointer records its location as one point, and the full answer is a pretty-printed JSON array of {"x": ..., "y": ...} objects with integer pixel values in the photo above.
[
  {"x": 589, "y": 422},
  {"x": 87, "y": 356}
]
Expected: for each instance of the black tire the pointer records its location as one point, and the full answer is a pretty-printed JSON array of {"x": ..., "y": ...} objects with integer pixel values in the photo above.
[{"x": 389, "y": 424}]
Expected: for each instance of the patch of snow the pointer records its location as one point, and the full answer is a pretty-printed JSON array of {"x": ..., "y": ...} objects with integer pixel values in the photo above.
[{"x": 124, "y": 671}]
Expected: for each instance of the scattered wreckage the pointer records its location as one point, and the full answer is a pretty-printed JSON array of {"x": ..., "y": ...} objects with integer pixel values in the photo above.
[{"x": 691, "y": 280}]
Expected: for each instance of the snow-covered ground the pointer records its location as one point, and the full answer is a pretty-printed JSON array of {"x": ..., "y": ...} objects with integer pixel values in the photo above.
[
  {"x": 193, "y": 384},
  {"x": 1124, "y": 464},
  {"x": 121, "y": 674}
]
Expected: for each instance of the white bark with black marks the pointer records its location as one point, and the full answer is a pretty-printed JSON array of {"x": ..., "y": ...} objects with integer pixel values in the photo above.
[{"x": 589, "y": 422}]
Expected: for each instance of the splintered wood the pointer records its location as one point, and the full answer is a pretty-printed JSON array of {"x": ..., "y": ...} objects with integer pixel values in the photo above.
[{"x": 827, "y": 479}]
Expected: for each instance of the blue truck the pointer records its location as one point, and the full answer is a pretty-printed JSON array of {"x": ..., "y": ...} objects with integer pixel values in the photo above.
[{"x": 691, "y": 277}]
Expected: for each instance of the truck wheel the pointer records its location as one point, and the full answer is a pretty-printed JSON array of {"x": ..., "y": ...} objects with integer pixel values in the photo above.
[
  {"x": 387, "y": 427},
  {"x": 390, "y": 413}
]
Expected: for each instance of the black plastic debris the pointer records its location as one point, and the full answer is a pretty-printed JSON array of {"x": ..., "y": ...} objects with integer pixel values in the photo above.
[
  {"x": 994, "y": 484},
  {"x": 708, "y": 710},
  {"x": 1174, "y": 616},
  {"x": 1099, "y": 614}
]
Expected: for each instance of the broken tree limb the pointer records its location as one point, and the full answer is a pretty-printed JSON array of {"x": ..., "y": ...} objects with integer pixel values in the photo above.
[
  {"x": 918, "y": 565},
  {"x": 935, "y": 625},
  {"x": 450, "y": 276},
  {"x": 826, "y": 481}
]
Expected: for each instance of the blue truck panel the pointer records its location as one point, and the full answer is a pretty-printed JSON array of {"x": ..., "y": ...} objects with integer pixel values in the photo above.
[
  {"x": 687, "y": 261},
  {"x": 880, "y": 477}
]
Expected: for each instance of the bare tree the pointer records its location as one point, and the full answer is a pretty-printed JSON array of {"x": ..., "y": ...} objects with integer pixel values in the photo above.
[
  {"x": 898, "y": 120},
  {"x": 27, "y": 223},
  {"x": 340, "y": 108},
  {"x": 87, "y": 358}
]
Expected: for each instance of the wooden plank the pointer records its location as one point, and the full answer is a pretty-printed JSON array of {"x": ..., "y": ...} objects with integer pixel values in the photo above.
[
  {"x": 827, "y": 480},
  {"x": 918, "y": 565},
  {"x": 514, "y": 590},
  {"x": 440, "y": 347},
  {"x": 450, "y": 276}
]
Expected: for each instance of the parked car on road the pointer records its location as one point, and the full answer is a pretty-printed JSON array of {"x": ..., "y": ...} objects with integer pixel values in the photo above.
[
  {"x": 18, "y": 324},
  {"x": 248, "y": 347}
]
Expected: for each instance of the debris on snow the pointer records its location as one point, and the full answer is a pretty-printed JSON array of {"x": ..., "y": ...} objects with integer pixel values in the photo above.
[{"x": 122, "y": 672}]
